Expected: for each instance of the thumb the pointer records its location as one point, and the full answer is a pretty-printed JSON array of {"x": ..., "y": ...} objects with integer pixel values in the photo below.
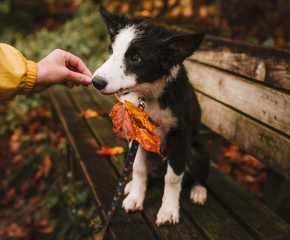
[{"x": 77, "y": 78}]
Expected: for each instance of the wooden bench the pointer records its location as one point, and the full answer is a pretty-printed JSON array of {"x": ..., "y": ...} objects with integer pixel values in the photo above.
[{"x": 244, "y": 95}]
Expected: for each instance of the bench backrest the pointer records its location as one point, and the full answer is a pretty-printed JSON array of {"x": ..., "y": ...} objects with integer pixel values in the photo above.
[{"x": 244, "y": 93}]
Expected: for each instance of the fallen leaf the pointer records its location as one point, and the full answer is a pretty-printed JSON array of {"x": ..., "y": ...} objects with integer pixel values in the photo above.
[
  {"x": 99, "y": 235},
  {"x": 15, "y": 231},
  {"x": 131, "y": 123},
  {"x": 45, "y": 167},
  {"x": 110, "y": 151},
  {"x": 91, "y": 113},
  {"x": 47, "y": 229}
]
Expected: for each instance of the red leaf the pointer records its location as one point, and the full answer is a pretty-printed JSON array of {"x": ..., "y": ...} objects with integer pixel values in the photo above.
[
  {"x": 91, "y": 113},
  {"x": 132, "y": 123},
  {"x": 110, "y": 151},
  {"x": 15, "y": 231}
]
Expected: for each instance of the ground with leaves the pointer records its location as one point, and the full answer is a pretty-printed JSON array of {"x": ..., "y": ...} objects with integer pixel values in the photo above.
[{"x": 39, "y": 200}]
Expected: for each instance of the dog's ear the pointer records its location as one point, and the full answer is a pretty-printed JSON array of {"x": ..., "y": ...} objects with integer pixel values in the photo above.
[
  {"x": 113, "y": 22},
  {"x": 179, "y": 46}
]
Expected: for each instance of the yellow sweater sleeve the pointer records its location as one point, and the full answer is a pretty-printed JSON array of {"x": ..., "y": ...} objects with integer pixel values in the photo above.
[{"x": 17, "y": 75}]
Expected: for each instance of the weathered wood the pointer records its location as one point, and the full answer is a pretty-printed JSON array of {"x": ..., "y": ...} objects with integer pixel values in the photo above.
[
  {"x": 269, "y": 65},
  {"x": 256, "y": 217},
  {"x": 184, "y": 230},
  {"x": 97, "y": 170},
  {"x": 262, "y": 103},
  {"x": 265, "y": 144},
  {"x": 277, "y": 194},
  {"x": 104, "y": 102},
  {"x": 101, "y": 127},
  {"x": 212, "y": 220}
]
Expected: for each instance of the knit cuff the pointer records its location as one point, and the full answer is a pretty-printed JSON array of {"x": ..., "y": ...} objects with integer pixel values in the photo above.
[{"x": 30, "y": 78}]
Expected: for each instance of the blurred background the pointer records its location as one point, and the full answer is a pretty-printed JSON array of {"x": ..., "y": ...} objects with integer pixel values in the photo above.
[{"x": 38, "y": 198}]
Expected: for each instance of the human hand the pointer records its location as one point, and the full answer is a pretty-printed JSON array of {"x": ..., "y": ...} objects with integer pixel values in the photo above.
[{"x": 61, "y": 67}]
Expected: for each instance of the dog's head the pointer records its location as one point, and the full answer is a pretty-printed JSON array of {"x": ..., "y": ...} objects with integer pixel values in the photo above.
[{"x": 141, "y": 52}]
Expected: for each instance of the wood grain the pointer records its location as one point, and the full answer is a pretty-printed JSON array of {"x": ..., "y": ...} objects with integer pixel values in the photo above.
[
  {"x": 256, "y": 217},
  {"x": 269, "y": 65},
  {"x": 265, "y": 104},
  {"x": 212, "y": 219},
  {"x": 267, "y": 145}
]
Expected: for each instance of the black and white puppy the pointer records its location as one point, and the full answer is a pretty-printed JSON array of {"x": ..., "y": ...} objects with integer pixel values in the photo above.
[{"x": 146, "y": 62}]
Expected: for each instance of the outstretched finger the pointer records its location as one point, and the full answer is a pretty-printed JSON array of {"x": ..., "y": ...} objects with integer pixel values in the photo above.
[
  {"x": 77, "y": 78},
  {"x": 74, "y": 61}
]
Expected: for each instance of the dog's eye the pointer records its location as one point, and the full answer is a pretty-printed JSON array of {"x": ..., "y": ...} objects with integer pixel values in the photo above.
[
  {"x": 135, "y": 58},
  {"x": 110, "y": 49}
]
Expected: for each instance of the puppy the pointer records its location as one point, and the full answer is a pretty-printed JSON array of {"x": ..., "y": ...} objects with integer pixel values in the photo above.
[{"x": 147, "y": 62}]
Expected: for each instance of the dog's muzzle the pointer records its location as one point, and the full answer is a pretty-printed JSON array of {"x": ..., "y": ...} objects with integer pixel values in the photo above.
[{"x": 99, "y": 82}]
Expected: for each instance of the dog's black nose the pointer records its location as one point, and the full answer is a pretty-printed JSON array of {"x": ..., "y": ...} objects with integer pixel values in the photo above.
[{"x": 99, "y": 82}]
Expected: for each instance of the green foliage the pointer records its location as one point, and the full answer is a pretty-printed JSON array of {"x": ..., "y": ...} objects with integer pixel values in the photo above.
[
  {"x": 269, "y": 42},
  {"x": 21, "y": 16},
  {"x": 84, "y": 36},
  {"x": 74, "y": 199}
]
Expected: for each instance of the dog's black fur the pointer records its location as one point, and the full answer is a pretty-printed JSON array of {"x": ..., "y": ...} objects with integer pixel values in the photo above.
[{"x": 151, "y": 56}]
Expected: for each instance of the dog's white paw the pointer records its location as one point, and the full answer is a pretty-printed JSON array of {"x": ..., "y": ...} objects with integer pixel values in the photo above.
[
  {"x": 198, "y": 194},
  {"x": 133, "y": 203},
  {"x": 128, "y": 188},
  {"x": 167, "y": 215}
]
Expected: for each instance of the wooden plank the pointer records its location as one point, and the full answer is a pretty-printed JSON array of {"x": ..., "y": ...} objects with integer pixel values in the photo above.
[
  {"x": 256, "y": 217},
  {"x": 262, "y": 103},
  {"x": 265, "y": 144},
  {"x": 100, "y": 176},
  {"x": 277, "y": 194},
  {"x": 104, "y": 102},
  {"x": 269, "y": 65},
  {"x": 101, "y": 127},
  {"x": 183, "y": 230},
  {"x": 212, "y": 220}
]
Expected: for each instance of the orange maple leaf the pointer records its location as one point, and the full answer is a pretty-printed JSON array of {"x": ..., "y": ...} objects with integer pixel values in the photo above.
[
  {"x": 132, "y": 123},
  {"x": 90, "y": 113},
  {"x": 110, "y": 151}
]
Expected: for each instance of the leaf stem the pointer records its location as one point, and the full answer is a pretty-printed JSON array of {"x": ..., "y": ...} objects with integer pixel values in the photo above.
[{"x": 117, "y": 97}]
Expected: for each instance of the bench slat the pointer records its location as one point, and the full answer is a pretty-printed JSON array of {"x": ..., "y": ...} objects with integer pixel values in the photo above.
[
  {"x": 262, "y": 103},
  {"x": 100, "y": 126},
  {"x": 251, "y": 213},
  {"x": 184, "y": 230},
  {"x": 269, "y": 65},
  {"x": 265, "y": 144},
  {"x": 103, "y": 130},
  {"x": 100, "y": 176},
  {"x": 212, "y": 220}
]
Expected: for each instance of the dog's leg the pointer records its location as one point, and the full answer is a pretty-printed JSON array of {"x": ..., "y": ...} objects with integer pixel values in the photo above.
[
  {"x": 198, "y": 165},
  {"x": 198, "y": 194},
  {"x": 169, "y": 211},
  {"x": 177, "y": 146},
  {"x": 137, "y": 187}
]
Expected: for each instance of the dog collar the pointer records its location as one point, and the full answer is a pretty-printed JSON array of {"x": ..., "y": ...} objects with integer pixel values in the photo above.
[{"x": 141, "y": 104}]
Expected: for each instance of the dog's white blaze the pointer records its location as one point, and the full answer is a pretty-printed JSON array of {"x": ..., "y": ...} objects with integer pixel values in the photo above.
[
  {"x": 169, "y": 211},
  {"x": 113, "y": 69}
]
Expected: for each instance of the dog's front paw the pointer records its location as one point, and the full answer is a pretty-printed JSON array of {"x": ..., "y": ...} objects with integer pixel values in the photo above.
[
  {"x": 167, "y": 215},
  {"x": 132, "y": 203},
  {"x": 198, "y": 194},
  {"x": 128, "y": 188}
]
